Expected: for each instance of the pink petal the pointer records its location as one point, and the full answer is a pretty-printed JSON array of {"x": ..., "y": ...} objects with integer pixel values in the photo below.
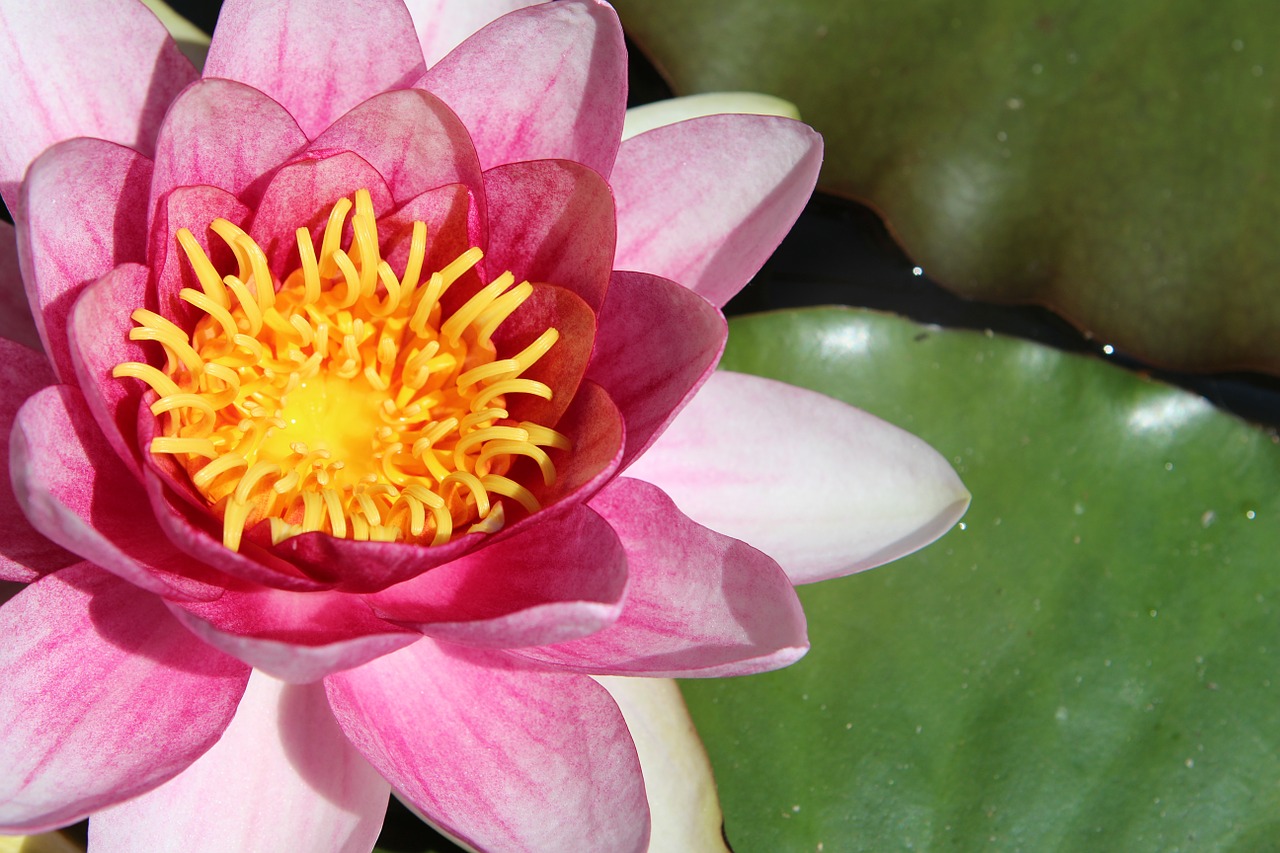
[
  {"x": 105, "y": 696},
  {"x": 223, "y": 134},
  {"x": 74, "y": 489},
  {"x": 317, "y": 58},
  {"x": 16, "y": 322},
  {"x": 107, "y": 71},
  {"x": 82, "y": 216},
  {"x": 556, "y": 226},
  {"x": 705, "y": 202},
  {"x": 442, "y": 24},
  {"x": 699, "y": 604},
  {"x": 544, "y": 82},
  {"x": 657, "y": 343},
  {"x": 551, "y": 583},
  {"x": 446, "y": 212},
  {"x": 282, "y": 777},
  {"x": 24, "y": 553},
  {"x": 501, "y": 758},
  {"x": 824, "y": 488},
  {"x": 295, "y": 636}
]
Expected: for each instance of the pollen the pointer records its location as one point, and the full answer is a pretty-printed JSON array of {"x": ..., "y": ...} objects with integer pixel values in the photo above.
[{"x": 340, "y": 398}]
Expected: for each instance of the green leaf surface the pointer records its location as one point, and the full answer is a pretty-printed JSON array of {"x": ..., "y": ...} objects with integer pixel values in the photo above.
[
  {"x": 1089, "y": 663},
  {"x": 1115, "y": 161}
]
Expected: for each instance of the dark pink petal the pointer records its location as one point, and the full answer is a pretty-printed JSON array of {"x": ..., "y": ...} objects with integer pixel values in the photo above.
[
  {"x": 361, "y": 567},
  {"x": 317, "y": 58},
  {"x": 16, "y": 322},
  {"x": 283, "y": 777},
  {"x": 446, "y": 211},
  {"x": 443, "y": 24},
  {"x": 704, "y": 202},
  {"x": 544, "y": 82},
  {"x": 24, "y": 553},
  {"x": 501, "y": 758},
  {"x": 223, "y": 134},
  {"x": 556, "y": 225},
  {"x": 553, "y": 582},
  {"x": 699, "y": 604},
  {"x": 295, "y": 636},
  {"x": 83, "y": 215},
  {"x": 822, "y": 487},
  {"x": 105, "y": 696},
  {"x": 107, "y": 71},
  {"x": 74, "y": 489},
  {"x": 656, "y": 344}
]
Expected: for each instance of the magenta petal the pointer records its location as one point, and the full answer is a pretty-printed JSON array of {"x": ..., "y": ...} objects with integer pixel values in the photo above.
[
  {"x": 108, "y": 70},
  {"x": 704, "y": 202},
  {"x": 446, "y": 211},
  {"x": 83, "y": 215},
  {"x": 545, "y": 82},
  {"x": 24, "y": 553},
  {"x": 556, "y": 226},
  {"x": 295, "y": 636},
  {"x": 16, "y": 322},
  {"x": 283, "y": 777},
  {"x": 501, "y": 758},
  {"x": 657, "y": 343},
  {"x": 105, "y": 696},
  {"x": 553, "y": 582},
  {"x": 443, "y": 24},
  {"x": 223, "y": 134},
  {"x": 316, "y": 58},
  {"x": 74, "y": 490},
  {"x": 699, "y": 604}
]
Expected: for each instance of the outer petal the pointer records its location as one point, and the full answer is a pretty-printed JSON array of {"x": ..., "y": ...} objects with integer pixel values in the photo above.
[
  {"x": 823, "y": 487},
  {"x": 699, "y": 604},
  {"x": 108, "y": 71},
  {"x": 442, "y": 24},
  {"x": 83, "y": 215},
  {"x": 499, "y": 757},
  {"x": 705, "y": 202},
  {"x": 282, "y": 749},
  {"x": 105, "y": 696},
  {"x": 24, "y": 553},
  {"x": 16, "y": 322},
  {"x": 317, "y": 58},
  {"x": 545, "y": 82}
]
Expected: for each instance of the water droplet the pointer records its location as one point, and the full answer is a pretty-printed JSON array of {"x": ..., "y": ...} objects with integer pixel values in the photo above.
[
  {"x": 1014, "y": 103},
  {"x": 1237, "y": 45},
  {"x": 1207, "y": 518},
  {"x": 917, "y": 270},
  {"x": 1250, "y": 515},
  {"x": 1108, "y": 349}
]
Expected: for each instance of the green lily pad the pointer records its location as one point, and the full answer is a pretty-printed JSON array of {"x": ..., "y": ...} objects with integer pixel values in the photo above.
[
  {"x": 1088, "y": 662},
  {"x": 1114, "y": 161}
]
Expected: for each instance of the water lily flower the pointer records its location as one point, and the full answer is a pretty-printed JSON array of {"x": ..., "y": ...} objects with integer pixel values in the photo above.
[{"x": 365, "y": 410}]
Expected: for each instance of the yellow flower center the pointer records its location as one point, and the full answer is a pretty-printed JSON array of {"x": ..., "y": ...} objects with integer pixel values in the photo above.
[{"x": 344, "y": 402}]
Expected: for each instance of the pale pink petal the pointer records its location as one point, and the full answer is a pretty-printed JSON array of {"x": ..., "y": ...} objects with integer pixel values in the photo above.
[
  {"x": 657, "y": 343},
  {"x": 73, "y": 488},
  {"x": 105, "y": 696},
  {"x": 25, "y": 554},
  {"x": 443, "y": 24},
  {"x": 107, "y": 70},
  {"x": 282, "y": 778},
  {"x": 824, "y": 488},
  {"x": 83, "y": 215},
  {"x": 553, "y": 582},
  {"x": 699, "y": 604},
  {"x": 295, "y": 636},
  {"x": 223, "y": 134},
  {"x": 705, "y": 202},
  {"x": 16, "y": 322},
  {"x": 501, "y": 758},
  {"x": 317, "y": 58}
]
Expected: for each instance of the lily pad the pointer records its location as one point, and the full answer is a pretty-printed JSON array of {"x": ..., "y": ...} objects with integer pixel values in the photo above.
[
  {"x": 1088, "y": 662},
  {"x": 1116, "y": 162}
]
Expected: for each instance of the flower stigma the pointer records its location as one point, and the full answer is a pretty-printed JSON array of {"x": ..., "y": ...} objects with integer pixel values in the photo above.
[{"x": 345, "y": 402}]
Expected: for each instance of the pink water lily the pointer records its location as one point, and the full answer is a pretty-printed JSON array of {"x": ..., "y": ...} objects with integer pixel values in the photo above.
[{"x": 228, "y": 637}]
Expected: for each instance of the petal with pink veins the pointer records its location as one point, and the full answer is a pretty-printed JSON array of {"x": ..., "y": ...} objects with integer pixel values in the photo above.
[
  {"x": 115, "y": 85},
  {"x": 16, "y": 322},
  {"x": 704, "y": 202},
  {"x": 282, "y": 777},
  {"x": 544, "y": 82},
  {"x": 316, "y": 58},
  {"x": 824, "y": 488},
  {"x": 83, "y": 215},
  {"x": 499, "y": 757},
  {"x": 699, "y": 604},
  {"x": 105, "y": 697}
]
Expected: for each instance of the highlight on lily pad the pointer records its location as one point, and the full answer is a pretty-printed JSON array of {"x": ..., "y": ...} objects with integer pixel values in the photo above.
[{"x": 364, "y": 411}]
